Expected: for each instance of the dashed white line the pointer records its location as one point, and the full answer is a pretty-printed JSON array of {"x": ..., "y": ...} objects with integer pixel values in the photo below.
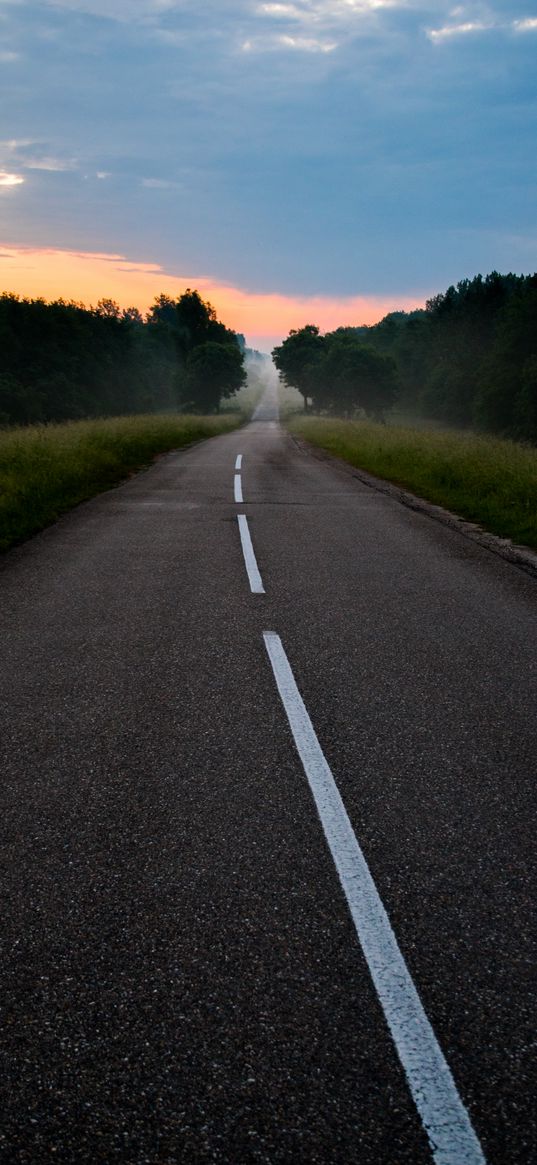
[
  {"x": 444, "y": 1117},
  {"x": 254, "y": 577},
  {"x": 238, "y": 488},
  {"x": 238, "y": 463}
]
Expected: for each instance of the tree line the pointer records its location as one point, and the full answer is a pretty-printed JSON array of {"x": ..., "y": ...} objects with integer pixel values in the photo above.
[
  {"x": 62, "y": 361},
  {"x": 337, "y": 372},
  {"x": 469, "y": 358}
]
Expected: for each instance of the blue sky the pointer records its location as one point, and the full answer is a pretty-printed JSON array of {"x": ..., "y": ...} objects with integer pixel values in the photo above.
[{"x": 329, "y": 148}]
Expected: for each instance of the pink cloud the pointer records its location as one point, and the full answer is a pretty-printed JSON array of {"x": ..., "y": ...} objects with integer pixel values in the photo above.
[{"x": 265, "y": 318}]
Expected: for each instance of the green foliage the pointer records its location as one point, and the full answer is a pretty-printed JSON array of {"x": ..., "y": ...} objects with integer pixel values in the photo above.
[
  {"x": 338, "y": 372},
  {"x": 213, "y": 371},
  {"x": 525, "y": 414},
  {"x": 352, "y": 376},
  {"x": 61, "y": 361},
  {"x": 47, "y": 469},
  {"x": 486, "y": 479},
  {"x": 507, "y": 401},
  {"x": 468, "y": 358},
  {"x": 297, "y": 359},
  {"x": 17, "y": 403}
]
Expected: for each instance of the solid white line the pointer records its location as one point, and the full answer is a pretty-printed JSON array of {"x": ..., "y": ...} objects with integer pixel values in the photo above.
[
  {"x": 238, "y": 462},
  {"x": 444, "y": 1117},
  {"x": 256, "y": 584},
  {"x": 238, "y": 488}
]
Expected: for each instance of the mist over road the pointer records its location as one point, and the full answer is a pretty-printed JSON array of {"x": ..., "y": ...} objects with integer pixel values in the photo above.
[{"x": 181, "y": 978}]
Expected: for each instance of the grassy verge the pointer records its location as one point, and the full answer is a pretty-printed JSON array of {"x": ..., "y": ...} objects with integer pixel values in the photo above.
[
  {"x": 47, "y": 469},
  {"x": 484, "y": 479}
]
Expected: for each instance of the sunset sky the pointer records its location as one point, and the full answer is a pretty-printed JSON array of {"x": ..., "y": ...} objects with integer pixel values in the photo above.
[{"x": 322, "y": 161}]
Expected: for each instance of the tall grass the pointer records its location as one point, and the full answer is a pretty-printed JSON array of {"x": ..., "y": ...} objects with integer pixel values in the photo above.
[
  {"x": 485, "y": 479},
  {"x": 47, "y": 469}
]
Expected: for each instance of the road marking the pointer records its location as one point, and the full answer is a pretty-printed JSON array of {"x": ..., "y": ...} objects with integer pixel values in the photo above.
[
  {"x": 256, "y": 584},
  {"x": 444, "y": 1117},
  {"x": 238, "y": 488},
  {"x": 238, "y": 463}
]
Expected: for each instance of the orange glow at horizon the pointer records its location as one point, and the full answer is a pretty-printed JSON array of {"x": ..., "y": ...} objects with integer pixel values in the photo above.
[{"x": 89, "y": 276}]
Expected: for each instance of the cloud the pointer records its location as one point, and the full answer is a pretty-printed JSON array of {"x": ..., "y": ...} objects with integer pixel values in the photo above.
[
  {"x": 450, "y": 30},
  {"x": 7, "y": 179},
  {"x": 33, "y": 155},
  {"x": 307, "y": 44},
  {"x": 528, "y": 24},
  {"x": 53, "y": 164},
  {"x": 314, "y": 26},
  {"x": 329, "y": 17},
  {"x": 12, "y": 145},
  {"x": 150, "y": 10},
  {"x": 285, "y": 11},
  {"x": 324, "y": 11},
  {"x": 301, "y": 44},
  {"x": 309, "y": 167},
  {"x": 264, "y": 317}
]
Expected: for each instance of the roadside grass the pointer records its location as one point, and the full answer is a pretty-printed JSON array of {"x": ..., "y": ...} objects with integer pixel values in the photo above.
[
  {"x": 47, "y": 469},
  {"x": 489, "y": 481}
]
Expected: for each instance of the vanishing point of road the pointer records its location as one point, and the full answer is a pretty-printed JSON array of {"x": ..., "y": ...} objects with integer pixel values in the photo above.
[{"x": 269, "y": 760}]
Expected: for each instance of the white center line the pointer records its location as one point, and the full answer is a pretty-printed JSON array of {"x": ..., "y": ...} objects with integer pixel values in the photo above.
[
  {"x": 238, "y": 463},
  {"x": 256, "y": 584},
  {"x": 238, "y": 488},
  {"x": 444, "y": 1117}
]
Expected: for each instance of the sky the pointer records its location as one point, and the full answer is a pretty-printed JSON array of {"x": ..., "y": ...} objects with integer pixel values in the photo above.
[{"x": 319, "y": 161}]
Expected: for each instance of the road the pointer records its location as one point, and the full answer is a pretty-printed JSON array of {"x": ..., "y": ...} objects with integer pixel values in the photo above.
[{"x": 182, "y": 979}]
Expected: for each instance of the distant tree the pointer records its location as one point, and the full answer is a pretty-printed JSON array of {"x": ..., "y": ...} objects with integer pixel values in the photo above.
[
  {"x": 109, "y": 309},
  {"x": 190, "y": 320},
  {"x": 297, "y": 359},
  {"x": 213, "y": 372},
  {"x": 132, "y": 315},
  {"x": 353, "y": 377},
  {"x": 194, "y": 317},
  {"x": 525, "y": 413},
  {"x": 505, "y": 402},
  {"x": 162, "y": 311},
  {"x": 197, "y": 323},
  {"x": 19, "y": 405},
  {"x": 60, "y": 360}
]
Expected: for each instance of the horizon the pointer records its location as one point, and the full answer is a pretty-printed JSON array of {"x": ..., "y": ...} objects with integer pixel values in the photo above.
[{"x": 86, "y": 278}]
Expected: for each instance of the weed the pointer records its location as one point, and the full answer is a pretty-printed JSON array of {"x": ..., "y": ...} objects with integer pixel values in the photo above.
[
  {"x": 487, "y": 480},
  {"x": 47, "y": 469}
]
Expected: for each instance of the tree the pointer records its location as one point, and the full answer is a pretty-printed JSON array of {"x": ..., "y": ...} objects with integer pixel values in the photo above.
[
  {"x": 18, "y": 405},
  {"x": 505, "y": 402},
  {"x": 132, "y": 315},
  {"x": 163, "y": 311},
  {"x": 352, "y": 376},
  {"x": 60, "y": 360},
  {"x": 525, "y": 417},
  {"x": 109, "y": 309},
  {"x": 197, "y": 323},
  {"x": 297, "y": 359},
  {"x": 213, "y": 371}
]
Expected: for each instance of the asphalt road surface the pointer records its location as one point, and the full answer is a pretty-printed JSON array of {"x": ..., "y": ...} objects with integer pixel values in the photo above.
[{"x": 187, "y": 973}]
